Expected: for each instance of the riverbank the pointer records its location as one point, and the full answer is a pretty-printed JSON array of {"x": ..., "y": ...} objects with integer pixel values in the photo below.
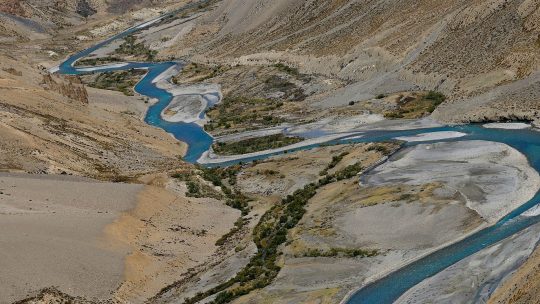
[
  {"x": 209, "y": 157},
  {"x": 475, "y": 279}
]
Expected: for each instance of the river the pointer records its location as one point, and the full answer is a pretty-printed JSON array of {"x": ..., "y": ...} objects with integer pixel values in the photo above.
[{"x": 392, "y": 286}]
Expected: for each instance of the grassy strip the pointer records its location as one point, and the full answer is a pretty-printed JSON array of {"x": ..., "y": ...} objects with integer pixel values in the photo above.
[
  {"x": 335, "y": 160},
  {"x": 268, "y": 235},
  {"x": 255, "y": 144}
]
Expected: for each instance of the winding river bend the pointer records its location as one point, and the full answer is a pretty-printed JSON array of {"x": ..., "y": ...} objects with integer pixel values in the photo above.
[{"x": 392, "y": 286}]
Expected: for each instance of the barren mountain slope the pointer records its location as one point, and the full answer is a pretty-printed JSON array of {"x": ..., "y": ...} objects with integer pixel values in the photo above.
[
  {"x": 50, "y": 124},
  {"x": 463, "y": 48},
  {"x": 24, "y": 20}
]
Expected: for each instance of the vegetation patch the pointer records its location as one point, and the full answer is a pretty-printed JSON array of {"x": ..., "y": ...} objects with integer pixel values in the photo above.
[
  {"x": 238, "y": 225},
  {"x": 255, "y": 144},
  {"x": 122, "y": 81},
  {"x": 379, "y": 147},
  {"x": 130, "y": 47},
  {"x": 240, "y": 112},
  {"x": 289, "y": 90},
  {"x": 97, "y": 61},
  {"x": 269, "y": 234},
  {"x": 340, "y": 252},
  {"x": 195, "y": 72},
  {"x": 416, "y": 106},
  {"x": 287, "y": 69},
  {"x": 225, "y": 178},
  {"x": 197, "y": 189},
  {"x": 335, "y": 160}
]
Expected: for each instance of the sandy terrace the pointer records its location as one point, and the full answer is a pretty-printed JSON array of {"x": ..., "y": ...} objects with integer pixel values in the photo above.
[
  {"x": 103, "y": 240},
  {"x": 52, "y": 235},
  {"x": 168, "y": 235}
]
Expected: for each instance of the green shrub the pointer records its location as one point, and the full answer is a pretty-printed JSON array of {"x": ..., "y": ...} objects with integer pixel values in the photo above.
[
  {"x": 269, "y": 234},
  {"x": 287, "y": 69},
  {"x": 379, "y": 148},
  {"x": 416, "y": 107},
  {"x": 255, "y": 144},
  {"x": 340, "y": 252}
]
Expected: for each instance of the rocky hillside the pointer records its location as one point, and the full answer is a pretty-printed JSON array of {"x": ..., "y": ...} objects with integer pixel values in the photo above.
[
  {"x": 84, "y": 8},
  {"x": 22, "y": 20},
  {"x": 13, "y": 7},
  {"x": 53, "y": 124},
  {"x": 483, "y": 54}
]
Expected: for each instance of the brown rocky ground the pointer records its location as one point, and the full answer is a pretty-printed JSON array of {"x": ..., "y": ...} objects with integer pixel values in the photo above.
[
  {"x": 56, "y": 126},
  {"x": 522, "y": 287}
]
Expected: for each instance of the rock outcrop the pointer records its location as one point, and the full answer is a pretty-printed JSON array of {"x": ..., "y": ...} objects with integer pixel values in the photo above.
[{"x": 68, "y": 86}]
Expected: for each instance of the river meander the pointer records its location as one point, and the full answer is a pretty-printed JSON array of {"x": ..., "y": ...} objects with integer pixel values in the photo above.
[{"x": 392, "y": 286}]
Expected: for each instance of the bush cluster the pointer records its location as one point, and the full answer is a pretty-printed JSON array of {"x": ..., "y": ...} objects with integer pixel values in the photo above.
[
  {"x": 236, "y": 111},
  {"x": 255, "y": 144}
]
